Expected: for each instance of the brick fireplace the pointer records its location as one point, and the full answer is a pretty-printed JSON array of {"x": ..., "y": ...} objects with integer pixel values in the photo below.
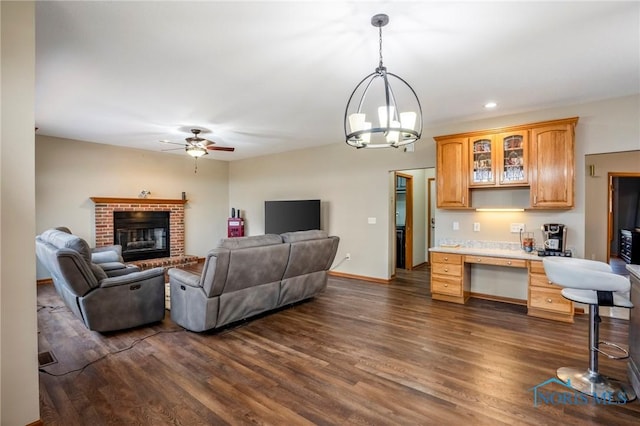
[{"x": 105, "y": 207}]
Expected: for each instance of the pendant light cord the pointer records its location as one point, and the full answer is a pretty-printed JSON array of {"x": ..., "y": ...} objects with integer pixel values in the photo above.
[{"x": 380, "y": 49}]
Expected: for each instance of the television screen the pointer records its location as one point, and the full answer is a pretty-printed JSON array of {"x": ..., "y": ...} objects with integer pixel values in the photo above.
[{"x": 290, "y": 216}]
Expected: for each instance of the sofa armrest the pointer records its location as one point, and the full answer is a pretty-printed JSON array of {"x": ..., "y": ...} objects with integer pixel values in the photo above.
[
  {"x": 107, "y": 256},
  {"x": 183, "y": 277},
  {"x": 141, "y": 277},
  {"x": 116, "y": 248},
  {"x": 124, "y": 270}
]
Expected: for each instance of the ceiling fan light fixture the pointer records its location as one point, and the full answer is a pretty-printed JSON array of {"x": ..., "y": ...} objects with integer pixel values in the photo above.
[
  {"x": 196, "y": 151},
  {"x": 397, "y": 110}
]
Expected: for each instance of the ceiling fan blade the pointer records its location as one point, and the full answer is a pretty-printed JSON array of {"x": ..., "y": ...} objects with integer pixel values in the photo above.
[
  {"x": 170, "y": 149},
  {"x": 220, "y": 148},
  {"x": 172, "y": 143}
]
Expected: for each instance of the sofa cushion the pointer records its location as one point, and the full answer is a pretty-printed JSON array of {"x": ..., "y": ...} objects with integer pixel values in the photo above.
[
  {"x": 247, "y": 242},
  {"x": 61, "y": 239},
  {"x": 293, "y": 237}
]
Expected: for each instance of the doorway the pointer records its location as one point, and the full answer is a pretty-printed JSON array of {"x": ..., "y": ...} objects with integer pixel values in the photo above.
[
  {"x": 596, "y": 192},
  {"x": 404, "y": 220},
  {"x": 623, "y": 216}
]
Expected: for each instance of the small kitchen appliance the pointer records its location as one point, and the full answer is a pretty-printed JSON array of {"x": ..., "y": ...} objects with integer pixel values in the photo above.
[{"x": 554, "y": 240}]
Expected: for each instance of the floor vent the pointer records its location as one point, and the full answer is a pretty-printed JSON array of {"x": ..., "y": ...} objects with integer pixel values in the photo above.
[{"x": 46, "y": 358}]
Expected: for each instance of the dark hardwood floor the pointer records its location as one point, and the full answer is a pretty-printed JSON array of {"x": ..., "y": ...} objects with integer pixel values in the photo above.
[{"x": 360, "y": 353}]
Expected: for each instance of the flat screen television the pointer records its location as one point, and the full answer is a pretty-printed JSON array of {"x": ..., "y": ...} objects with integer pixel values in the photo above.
[{"x": 290, "y": 216}]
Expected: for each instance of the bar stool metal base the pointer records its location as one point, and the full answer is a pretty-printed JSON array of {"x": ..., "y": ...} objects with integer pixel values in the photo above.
[{"x": 596, "y": 385}]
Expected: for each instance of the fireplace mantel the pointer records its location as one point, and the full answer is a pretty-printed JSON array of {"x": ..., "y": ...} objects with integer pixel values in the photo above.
[{"x": 113, "y": 200}]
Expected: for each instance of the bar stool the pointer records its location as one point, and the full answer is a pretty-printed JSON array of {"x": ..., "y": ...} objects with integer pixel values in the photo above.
[{"x": 592, "y": 283}]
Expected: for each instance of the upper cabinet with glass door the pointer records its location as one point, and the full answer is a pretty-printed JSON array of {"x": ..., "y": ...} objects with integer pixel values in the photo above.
[
  {"x": 483, "y": 161},
  {"x": 513, "y": 158},
  {"x": 499, "y": 160}
]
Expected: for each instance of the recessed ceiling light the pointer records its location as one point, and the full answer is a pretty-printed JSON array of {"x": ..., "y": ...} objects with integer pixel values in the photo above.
[{"x": 490, "y": 105}]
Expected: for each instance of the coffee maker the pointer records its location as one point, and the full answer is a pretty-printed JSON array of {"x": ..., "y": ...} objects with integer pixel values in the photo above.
[{"x": 554, "y": 239}]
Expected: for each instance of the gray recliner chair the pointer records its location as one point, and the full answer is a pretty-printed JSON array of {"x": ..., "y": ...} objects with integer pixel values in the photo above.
[
  {"x": 109, "y": 258},
  {"x": 104, "y": 303}
]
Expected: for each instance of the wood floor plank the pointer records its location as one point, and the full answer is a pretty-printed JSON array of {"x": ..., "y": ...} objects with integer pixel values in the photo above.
[{"x": 359, "y": 353}]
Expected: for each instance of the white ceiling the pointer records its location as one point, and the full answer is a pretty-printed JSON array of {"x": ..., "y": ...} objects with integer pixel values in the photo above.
[{"x": 268, "y": 77}]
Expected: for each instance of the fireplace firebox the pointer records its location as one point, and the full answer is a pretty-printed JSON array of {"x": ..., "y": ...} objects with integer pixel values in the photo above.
[{"x": 142, "y": 234}]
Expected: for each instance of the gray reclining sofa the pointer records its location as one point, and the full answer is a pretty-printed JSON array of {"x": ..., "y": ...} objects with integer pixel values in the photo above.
[
  {"x": 105, "y": 300},
  {"x": 247, "y": 276}
]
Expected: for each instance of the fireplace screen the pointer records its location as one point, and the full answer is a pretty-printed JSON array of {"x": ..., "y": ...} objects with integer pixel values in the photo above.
[{"x": 142, "y": 234}]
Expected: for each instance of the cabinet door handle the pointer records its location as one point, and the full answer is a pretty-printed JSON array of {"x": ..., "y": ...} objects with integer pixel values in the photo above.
[
  {"x": 446, "y": 285},
  {"x": 446, "y": 269},
  {"x": 508, "y": 262},
  {"x": 535, "y": 200},
  {"x": 478, "y": 259},
  {"x": 549, "y": 300},
  {"x": 446, "y": 258},
  {"x": 463, "y": 199},
  {"x": 550, "y": 282}
]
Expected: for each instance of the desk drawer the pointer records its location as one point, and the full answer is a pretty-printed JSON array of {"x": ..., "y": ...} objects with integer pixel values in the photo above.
[
  {"x": 550, "y": 300},
  {"x": 446, "y": 269},
  {"x": 536, "y": 267},
  {"x": 497, "y": 261},
  {"x": 541, "y": 280},
  {"x": 448, "y": 286},
  {"x": 446, "y": 258}
]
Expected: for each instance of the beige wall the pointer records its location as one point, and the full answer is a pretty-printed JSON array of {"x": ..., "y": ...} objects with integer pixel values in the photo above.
[
  {"x": 19, "y": 403},
  {"x": 69, "y": 172},
  {"x": 355, "y": 185},
  {"x": 597, "y": 192}
]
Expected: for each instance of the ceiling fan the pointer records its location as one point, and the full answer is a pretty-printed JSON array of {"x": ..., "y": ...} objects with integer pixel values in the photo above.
[{"x": 197, "y": 146}]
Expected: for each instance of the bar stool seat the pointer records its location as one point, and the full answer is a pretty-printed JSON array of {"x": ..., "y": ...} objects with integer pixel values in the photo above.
[{"x": 592, "y": 283}]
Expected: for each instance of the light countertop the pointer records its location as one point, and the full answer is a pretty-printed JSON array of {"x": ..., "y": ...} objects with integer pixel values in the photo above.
[
  {"x": 512, "y": 254},
  {"x": 635, "y": 270}
]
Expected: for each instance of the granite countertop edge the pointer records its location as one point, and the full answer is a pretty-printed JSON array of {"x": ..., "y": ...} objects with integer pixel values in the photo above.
[{"x": 512, "y": 254}]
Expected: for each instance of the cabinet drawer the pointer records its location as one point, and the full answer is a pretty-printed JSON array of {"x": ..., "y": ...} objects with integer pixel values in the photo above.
[
  {"x": 498, "y": 261},
  {"x": 536, "y": 267},
  {"x": 541, "y": 280},
  {"x": 549, "y": 299},
  {"x": 446, "y": 269},
  {"x": 455, "y": 259},
  {"x": 449, "y": 286}
]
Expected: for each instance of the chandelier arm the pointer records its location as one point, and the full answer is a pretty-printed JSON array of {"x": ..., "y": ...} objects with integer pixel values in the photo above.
[
  {"x": 415, "y": 95},
  {"x": 346, "y": 111},
  {"x": 387, "y": 92}
]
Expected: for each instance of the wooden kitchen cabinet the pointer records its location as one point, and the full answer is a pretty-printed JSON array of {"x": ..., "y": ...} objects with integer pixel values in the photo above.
[
  {"x": 537, "y": 155},
  {"x": 551, "y": 164},
  {"x": 499, "y": 159},
  {"x": 449, "y": 278},
  {"x": 452, "y": 180},
  {"x": 545, "y": 298},
  {"x": 513, "y": 159}
]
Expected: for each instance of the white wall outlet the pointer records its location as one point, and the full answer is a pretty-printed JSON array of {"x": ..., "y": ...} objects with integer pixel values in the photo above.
[
  {"x": 371, "y": 220},
  {"x": 347, "y": 256},
  {"x": 516, "y": 228},
  {"x": 476, "y": 227},
  {"x": 456, "y": 226}
]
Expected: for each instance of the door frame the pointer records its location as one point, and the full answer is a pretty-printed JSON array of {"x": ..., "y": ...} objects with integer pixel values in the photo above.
[
  {"x": 610, "y": 213},
  {"x": 430, "y": 199},
  {"x": 408, "y": 220}
]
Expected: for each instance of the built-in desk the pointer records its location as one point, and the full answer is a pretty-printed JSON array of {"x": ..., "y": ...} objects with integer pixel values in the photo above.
[{"x": 451, "y": 279}]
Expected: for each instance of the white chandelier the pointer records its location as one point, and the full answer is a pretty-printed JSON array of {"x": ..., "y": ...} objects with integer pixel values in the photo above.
[{"x": 395, "y": 127}]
